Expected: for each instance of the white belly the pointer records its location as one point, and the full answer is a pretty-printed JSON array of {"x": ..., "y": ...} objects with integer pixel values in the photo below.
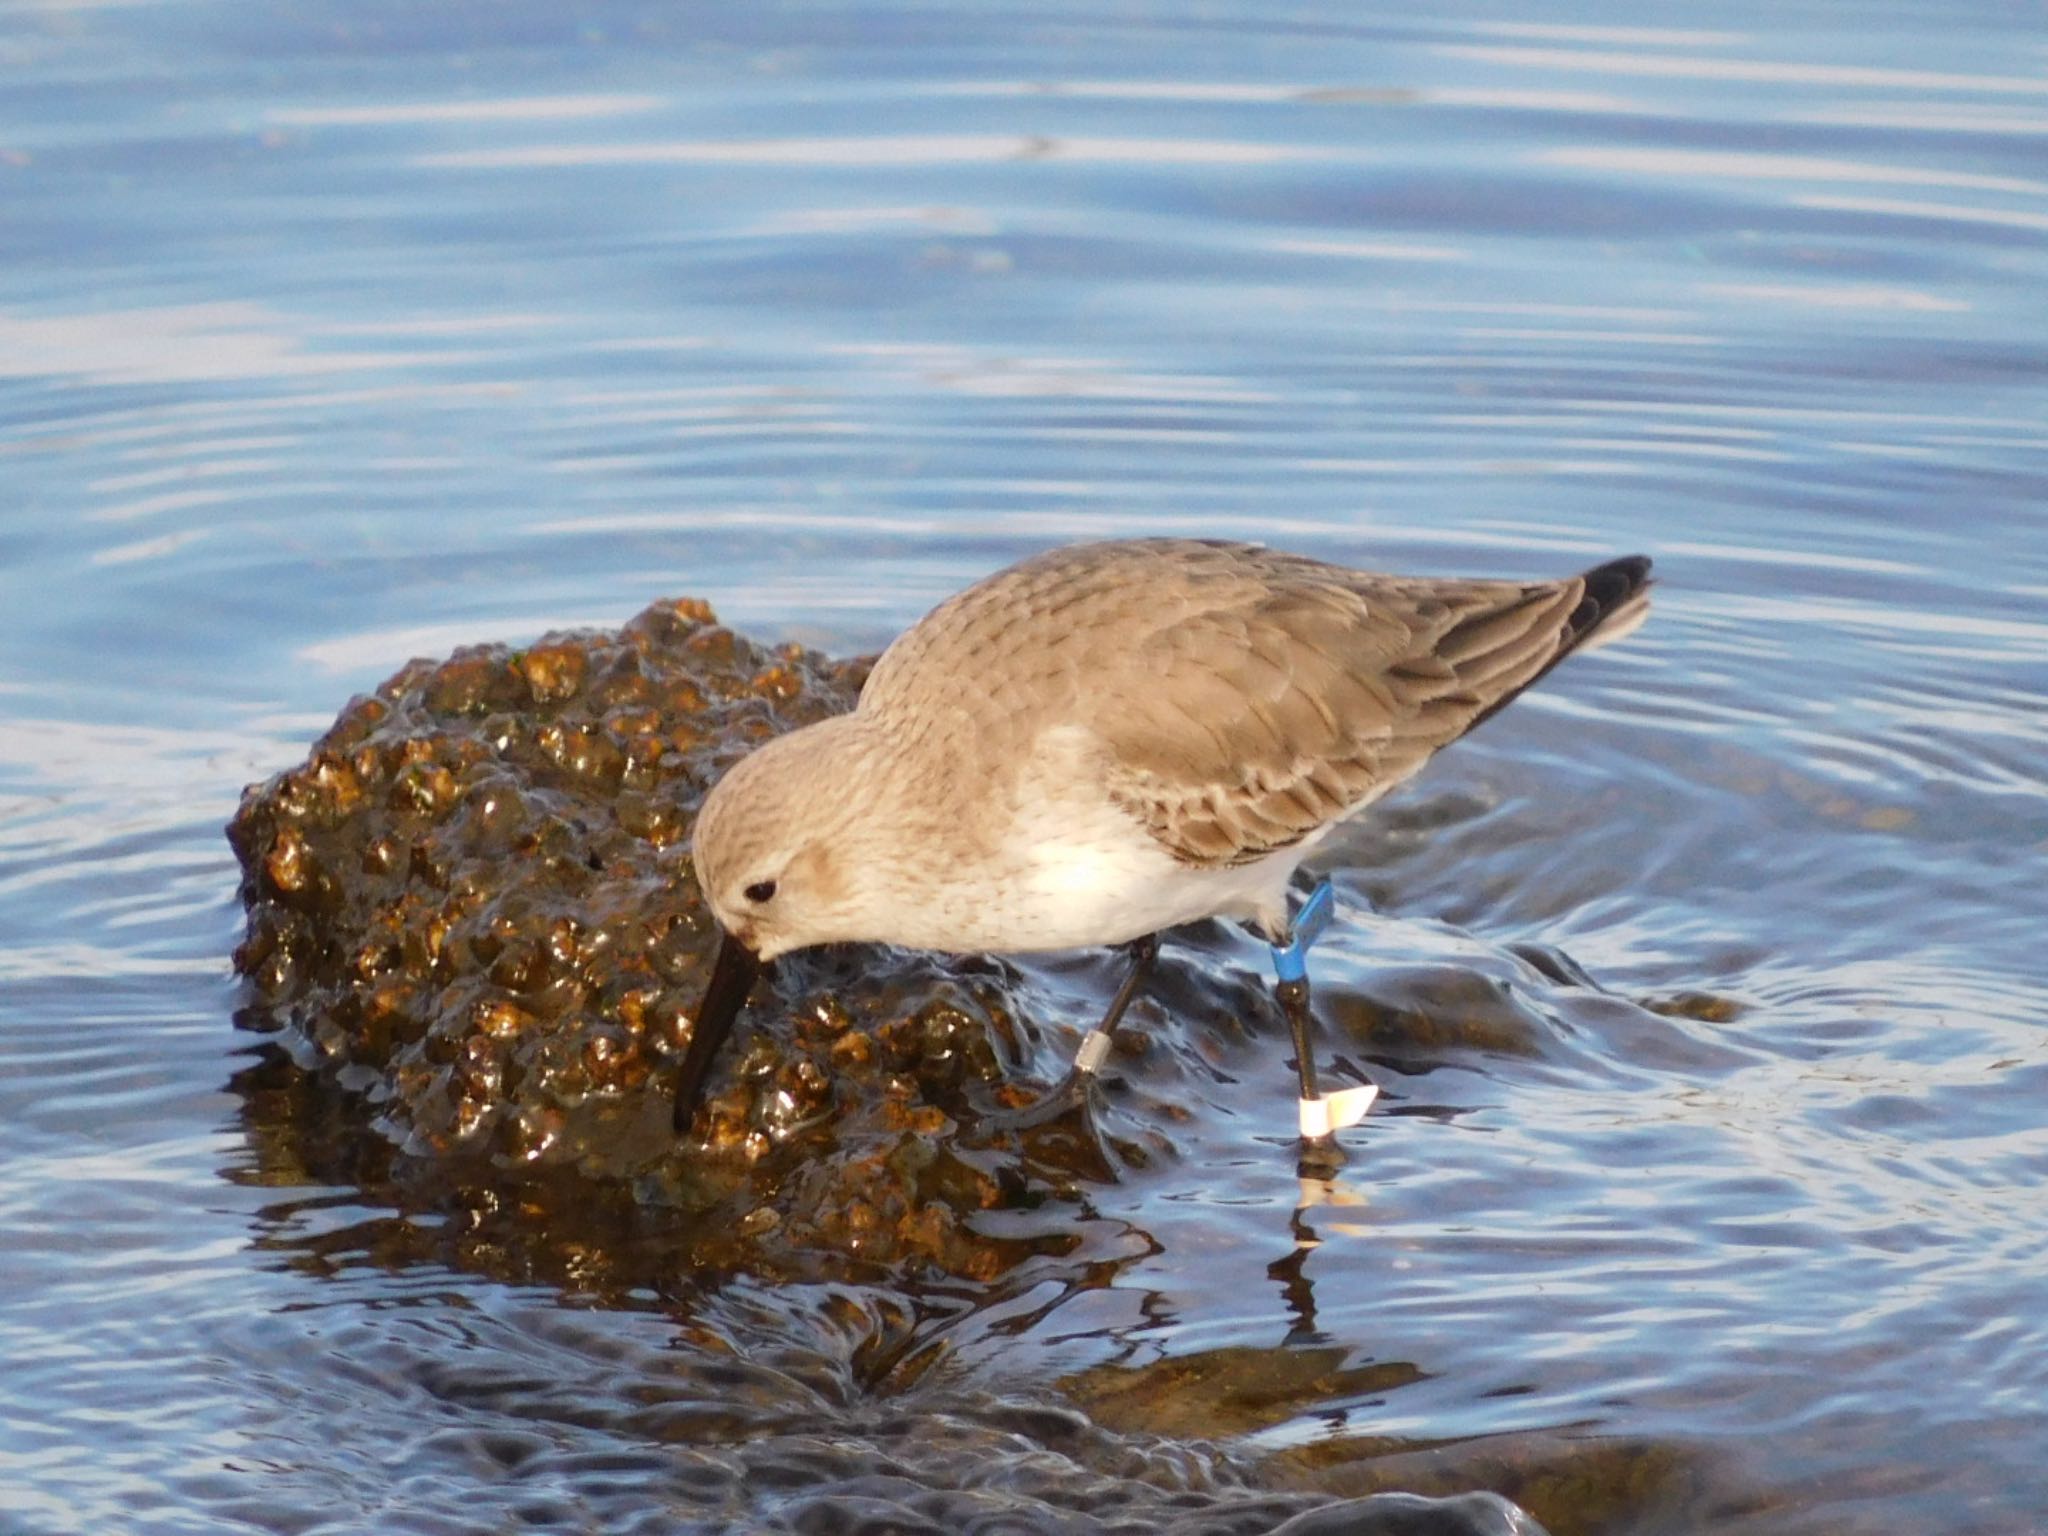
[
  {"x": 1087, "y": 879},
  {"x": 1066, "y": 868}
]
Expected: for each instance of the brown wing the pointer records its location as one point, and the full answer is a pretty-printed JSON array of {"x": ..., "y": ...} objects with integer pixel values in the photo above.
[
  {"x": 1243, "y": 697},
  {"x": 1252, "y": 723}
]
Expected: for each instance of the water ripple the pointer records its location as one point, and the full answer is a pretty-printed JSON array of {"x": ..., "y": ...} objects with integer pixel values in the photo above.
[{"x": 1704, "y": 986}]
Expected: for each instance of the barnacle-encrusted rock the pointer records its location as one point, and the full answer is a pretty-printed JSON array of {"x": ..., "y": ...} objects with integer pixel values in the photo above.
[{"x": 472, "y": 907}]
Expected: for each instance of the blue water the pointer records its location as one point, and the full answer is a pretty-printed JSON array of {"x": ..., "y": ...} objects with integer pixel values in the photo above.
[{"x": 332, "y": 335}]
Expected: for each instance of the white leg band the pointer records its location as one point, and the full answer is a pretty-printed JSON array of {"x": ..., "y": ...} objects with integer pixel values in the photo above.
[
  {"x": 1093, "y": 1053},
  {"x": 1334, "y": 1111}
]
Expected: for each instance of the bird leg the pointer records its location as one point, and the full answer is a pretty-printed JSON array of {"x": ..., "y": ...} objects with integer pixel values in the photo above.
[
  {"x": 1072, "y": 1092},
  {"x": 1321, "y": 1117},
  {"x": 1293, "y": 996},
  {"x": 1095, "y": 1044}
]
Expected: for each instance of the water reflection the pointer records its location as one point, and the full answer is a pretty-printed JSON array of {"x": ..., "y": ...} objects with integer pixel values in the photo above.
[
  {"x": 1665, "y": 66},
  {"x": 755, "y": 1375},
  {"x": 1731, "y": 165},
  {"x": 181, "y": 344},
  {"x": 890, "y": 151},
  {"x": 519, "y": 109}
]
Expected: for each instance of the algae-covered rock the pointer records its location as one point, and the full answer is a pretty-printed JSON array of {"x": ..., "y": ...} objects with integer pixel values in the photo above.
[{"x": 472, "y": 908}]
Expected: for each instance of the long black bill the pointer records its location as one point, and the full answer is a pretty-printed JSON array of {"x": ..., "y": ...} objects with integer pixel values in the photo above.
[{"x": 732, "y": 978}]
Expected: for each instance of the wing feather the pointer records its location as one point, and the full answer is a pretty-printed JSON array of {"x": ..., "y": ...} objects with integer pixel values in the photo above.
[{"x": 1243, "y": 698}]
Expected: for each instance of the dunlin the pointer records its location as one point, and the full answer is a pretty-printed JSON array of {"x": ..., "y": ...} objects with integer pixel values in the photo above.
[{"x": 1111, "y": 739}]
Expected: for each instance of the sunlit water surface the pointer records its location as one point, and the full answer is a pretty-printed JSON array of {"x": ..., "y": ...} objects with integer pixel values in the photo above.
[{"x": 336, "y": 334}]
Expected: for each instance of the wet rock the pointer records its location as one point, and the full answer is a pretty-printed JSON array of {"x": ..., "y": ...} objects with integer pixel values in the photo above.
[
  {"x": 472, "y": 905},
  {"x": 1230, "y": 1391},
  {"x": 1587, "y": 1482}
]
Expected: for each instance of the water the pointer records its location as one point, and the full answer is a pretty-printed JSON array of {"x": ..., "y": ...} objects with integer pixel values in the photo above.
[{"x": 332, "y": 335}]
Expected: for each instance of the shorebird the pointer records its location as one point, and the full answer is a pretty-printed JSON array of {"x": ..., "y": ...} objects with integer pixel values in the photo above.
[{"x": 1110, "y": 740}]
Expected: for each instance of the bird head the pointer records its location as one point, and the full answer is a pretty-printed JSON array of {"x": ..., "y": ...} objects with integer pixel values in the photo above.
[{"x": 772, "y": 865}]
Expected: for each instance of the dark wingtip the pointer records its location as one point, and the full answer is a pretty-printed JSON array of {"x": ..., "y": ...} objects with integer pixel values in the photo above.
[
  {"x": 1610, "y": 588},
  {"x": 1612, "y": 603}
]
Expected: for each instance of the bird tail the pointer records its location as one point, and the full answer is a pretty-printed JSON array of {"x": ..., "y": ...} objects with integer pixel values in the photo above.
[
  {"x": 1617, "y": 601},
  {"x": 1614, "y": 599}
]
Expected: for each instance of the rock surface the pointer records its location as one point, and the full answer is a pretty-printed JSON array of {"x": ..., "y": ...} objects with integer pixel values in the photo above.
[{"x": 472, "y": 907}]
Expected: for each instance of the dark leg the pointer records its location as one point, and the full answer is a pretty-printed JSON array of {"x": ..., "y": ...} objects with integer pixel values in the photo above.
[
  {"x": 1321, "y": 1156},
  {"x": 1095, "y": 1044},
  {"x": 1293, "y": 997},
  {"x": 1321, "y": 1118},
  {"x": 1072, "y": 1093}
]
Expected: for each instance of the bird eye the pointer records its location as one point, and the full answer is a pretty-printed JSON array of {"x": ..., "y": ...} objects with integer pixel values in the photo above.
[{"x": 761, "y": 890}]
